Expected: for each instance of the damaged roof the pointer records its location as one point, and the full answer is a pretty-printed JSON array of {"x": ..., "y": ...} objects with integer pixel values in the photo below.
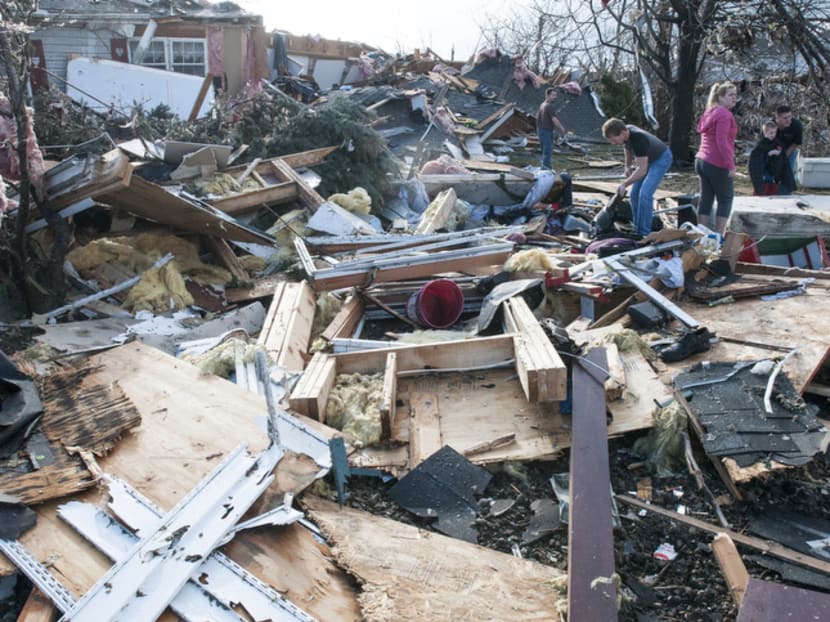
[{"x": 192, "y": 9}]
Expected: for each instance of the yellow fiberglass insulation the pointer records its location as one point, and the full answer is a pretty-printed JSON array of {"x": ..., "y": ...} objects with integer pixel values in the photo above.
[
  {"x": 160, "y": 290},
  {"x": 138, "y": 253},
  {"x": 356, "y": 200},
  {"x": 221, "y": 360},
  {"x": 531, "y": 260},
  {"x": 252, "y": 264},
  {"x": 221, "y": 184},
  {"x": 354, "y": 406},
  {"x": 326, "y": 308}
]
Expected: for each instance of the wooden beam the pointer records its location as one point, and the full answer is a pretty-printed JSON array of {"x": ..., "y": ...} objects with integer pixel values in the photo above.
[
  {"x": 287, "y": 327},
  {"x": 308, "y": 196},
  {"x": 200, "y": 98},
  {"x": 252, "y": 200},
  {"x": 345, "y": 322},
  {"x": 434, "y": 356},
  {"x": 591, "y": 590},
  {"x": 225, "y": 256},
  {"x": 731, "y": 565},
  {"x": 436, "y": 263},
  {"x": 38, "y": 608},
  {"x": 767, "y": 547},
  {"x": 389, "y": 397},
  {"x": 424, "y": 427},
  {"x": 311, "y": 394},
  {"x": 541, "y": 371},
  {"x": 261, "y": 288},
  {"x": 435, "y": 216},
  {"x": 153, "y": 202},
  {"x": 615, "y": 383}
]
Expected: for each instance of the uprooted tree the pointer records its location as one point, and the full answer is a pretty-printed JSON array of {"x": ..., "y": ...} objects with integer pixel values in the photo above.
[
  {"x": 38, "y": 276},
  {"x": 668, "y": 40}
]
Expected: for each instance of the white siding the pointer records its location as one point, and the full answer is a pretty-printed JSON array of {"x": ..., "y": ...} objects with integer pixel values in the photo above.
[{"x": 61, "y": 43}]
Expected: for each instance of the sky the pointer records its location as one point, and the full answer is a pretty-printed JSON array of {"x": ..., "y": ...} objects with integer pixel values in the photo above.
[{"x": 393, "y": 25}]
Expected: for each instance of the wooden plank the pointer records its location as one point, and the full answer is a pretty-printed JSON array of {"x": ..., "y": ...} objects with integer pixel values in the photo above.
[
  {"x": 438, "y": 265},
  {"x": 253, "y": 200},
  {"x": 615, "y": 383},
  {"x": 424, "y": 427},
  {"x": 773, "y": 322},
  {"x": 433, "y": 356},
  {"x": 409, "y": 575},
  {"x": 767, "y": 547},
  {"x": 38, "y": 608},
  {"x": 435, "y": 216},
  {"x": 200, "y": 98},
  {"x": 111, "y": 172},
  {"x": 311, "y": 393},
  {"x": 287, "y": 327},
  {"x": 153, "y": 202},
  {"x": 591, "y": 590},
  {"x": 308, "y": 196},
  {"x": 731, "y": 565},
  {"x": 387, "y": 402},
  {"x": 225, "y": 256},
  {"x": 189, "y": 422},
  {"x": 797, "y": 273},
  {"x": 345, "y": 322},
  {"x": 261, "y": 288}
]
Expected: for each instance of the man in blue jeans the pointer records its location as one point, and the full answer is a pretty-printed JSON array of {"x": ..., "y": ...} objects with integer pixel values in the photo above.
[
  {"x": 647, "y": 159},
  {"x": 546, "y": 122}
]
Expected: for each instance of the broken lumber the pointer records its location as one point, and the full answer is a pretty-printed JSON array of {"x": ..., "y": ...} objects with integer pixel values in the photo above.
[
  {"x": 591, "y": 587},
  {"x": 409, "y": 575},
  {"x": 347, "y": 319},
  {"x": 308, "y": 196},
  {"x": 389, "y": 397},
  {"x": 311, "y": 394},
  {"x": 435, "y": 216},
  {"x": 287, "y": 328},
  {"x": 731, "y": 565},
  {"x": 541, "y": 371}
]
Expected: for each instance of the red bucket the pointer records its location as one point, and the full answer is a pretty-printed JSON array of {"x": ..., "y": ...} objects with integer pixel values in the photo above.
[{"x": 438, "y": 304}]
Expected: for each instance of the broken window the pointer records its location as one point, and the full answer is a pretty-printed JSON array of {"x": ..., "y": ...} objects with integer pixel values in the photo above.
[{"x": 180, "y": 55}]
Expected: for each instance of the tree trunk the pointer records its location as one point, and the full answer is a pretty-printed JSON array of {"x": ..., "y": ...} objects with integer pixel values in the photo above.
[{"x": 683, "y": 95}]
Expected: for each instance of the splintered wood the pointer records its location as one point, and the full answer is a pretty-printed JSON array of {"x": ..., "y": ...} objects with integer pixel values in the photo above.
[
  {"x": 77, "y": 415},
  {"x": 410, "y": 574}
]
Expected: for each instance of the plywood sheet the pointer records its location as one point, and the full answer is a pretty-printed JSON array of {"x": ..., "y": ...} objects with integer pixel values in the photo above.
[
  {"x": 410, "y": 574},
  {"x": 189, "y": 424}
]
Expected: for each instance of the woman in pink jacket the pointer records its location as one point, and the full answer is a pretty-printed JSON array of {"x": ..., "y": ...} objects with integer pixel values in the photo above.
[{"x": 715, "y": 160}]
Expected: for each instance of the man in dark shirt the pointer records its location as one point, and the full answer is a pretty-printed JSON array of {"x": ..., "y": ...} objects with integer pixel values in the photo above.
[
  {"x": 546, "y": 122},
  {"x": 652, "y": 159},
  {"x": 789, "y": 135}
]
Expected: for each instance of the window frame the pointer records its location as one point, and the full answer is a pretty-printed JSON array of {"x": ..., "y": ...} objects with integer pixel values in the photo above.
[{"x": 169, "y": 59}]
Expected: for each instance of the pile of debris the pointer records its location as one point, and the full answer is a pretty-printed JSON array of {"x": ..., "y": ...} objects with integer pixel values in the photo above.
[{"x": 242, "y": 350}]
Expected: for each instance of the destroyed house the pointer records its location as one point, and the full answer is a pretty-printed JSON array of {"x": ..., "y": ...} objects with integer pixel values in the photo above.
[{"x": 80, "y": 47}]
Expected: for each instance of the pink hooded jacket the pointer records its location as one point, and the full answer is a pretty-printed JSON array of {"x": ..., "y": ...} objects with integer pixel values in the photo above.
[{"x": 717, "y": 129}]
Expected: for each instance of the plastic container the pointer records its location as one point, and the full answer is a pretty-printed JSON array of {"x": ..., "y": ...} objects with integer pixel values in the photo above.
[
  {"x": 813, "y": 172},
  {"x": 438, "y": 304}
]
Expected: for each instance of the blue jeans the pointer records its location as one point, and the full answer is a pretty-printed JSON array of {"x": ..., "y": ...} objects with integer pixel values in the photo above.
[
  {"x": 642, "y": 193},
  {"x": 782, "y": 189},
  {"x": 546, "y": 142}
]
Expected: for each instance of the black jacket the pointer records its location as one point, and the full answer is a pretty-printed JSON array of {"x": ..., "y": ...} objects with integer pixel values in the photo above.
[{"x": 761, "y": 164}]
